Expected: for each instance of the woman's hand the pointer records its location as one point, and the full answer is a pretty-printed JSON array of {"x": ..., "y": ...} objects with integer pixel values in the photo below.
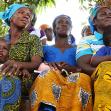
[
  {"x": 63, "y": 65},
  {"x": 11, "y": 67},
  {"x": 25, "y": 73},
  {"x": 56, "y": 65}
]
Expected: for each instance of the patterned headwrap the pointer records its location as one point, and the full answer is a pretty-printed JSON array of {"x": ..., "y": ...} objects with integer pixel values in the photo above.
[
  {"x": 8, "y": 13},
  {"x": 93, "y": 14}
]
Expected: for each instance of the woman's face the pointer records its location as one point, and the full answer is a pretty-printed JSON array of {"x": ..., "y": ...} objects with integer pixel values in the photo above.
[
  {"x": 103, "y": 18},
  {"x": 22, "y": 17},
  {"x": 63, "y": 26}
]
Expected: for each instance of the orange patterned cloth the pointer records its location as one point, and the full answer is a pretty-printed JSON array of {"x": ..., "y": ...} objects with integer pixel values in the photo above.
[{"x": 72, "y": 93}]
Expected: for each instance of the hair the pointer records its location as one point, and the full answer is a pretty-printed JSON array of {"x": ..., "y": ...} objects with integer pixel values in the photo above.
[
  {"x": 107, "y": 35},
  {"x": 54, "y": 22}
]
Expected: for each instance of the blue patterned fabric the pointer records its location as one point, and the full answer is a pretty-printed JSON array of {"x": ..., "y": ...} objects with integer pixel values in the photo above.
[
  {"x": 8, "y": 13},
  {"x": 53, "y": 54},
  {"x": 89, "y": 45},
  {"x": 10, "y": 93}
]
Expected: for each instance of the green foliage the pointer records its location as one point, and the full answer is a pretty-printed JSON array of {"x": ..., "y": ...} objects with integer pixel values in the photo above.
[
  {"x": 37, "y": 5},
  {"x": 97, "y": 1}
]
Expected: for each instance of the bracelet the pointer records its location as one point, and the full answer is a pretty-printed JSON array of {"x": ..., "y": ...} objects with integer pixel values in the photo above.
[{"x": 64, "y": 71}]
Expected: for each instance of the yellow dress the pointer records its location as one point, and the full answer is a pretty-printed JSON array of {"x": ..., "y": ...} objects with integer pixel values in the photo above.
[{"x": 102, "y": 87}]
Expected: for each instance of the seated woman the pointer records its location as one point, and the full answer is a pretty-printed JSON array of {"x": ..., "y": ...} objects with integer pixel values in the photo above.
[
  {"x": 61, "y": 88},
  {"x": 102, "y": 76},
  {"x": 25, "y": 53}
]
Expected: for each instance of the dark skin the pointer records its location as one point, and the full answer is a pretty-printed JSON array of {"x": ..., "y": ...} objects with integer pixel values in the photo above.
[
  {"x": 102, "y": 20},
  {"x": 98, "y": 59},
  {"x": 49, "y": 33},
  {"x": 19, "y": 21},
  {"x": 84, "y": 63},
  {"x": 62, "y": 30}
]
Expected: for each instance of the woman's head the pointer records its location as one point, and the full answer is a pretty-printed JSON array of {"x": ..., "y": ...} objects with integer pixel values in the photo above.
[
  {"x": 21, "y": 18},
  {"x": 62, "y": 26},
  {"x": 86, "y": 31},
  {"x": 17, "y": 14},
  {"x": 49, "y": 33},
  {"x": 100, "y": 18}
]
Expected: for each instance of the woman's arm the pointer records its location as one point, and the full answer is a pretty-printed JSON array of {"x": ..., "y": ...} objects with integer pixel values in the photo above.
[
  {"x": 84, "y": 63},
  {"x": 12, "y": 66},
  {"x": 96, "y": 60}
]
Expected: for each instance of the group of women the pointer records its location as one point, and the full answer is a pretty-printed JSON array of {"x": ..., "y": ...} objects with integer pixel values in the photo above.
[{"x": 65, "y": 85}]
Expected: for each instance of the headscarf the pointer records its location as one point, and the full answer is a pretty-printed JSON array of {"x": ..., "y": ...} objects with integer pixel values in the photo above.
[
  {"x": 9, "y": 12},
  {"x": 93, "y": 14}
]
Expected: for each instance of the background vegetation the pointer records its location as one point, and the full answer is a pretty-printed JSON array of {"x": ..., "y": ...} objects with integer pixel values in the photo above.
[{"x": 38, "y": 5}]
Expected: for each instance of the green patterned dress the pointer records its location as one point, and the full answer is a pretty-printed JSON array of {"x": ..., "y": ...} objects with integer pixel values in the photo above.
[{"x": 10, "y": 87}]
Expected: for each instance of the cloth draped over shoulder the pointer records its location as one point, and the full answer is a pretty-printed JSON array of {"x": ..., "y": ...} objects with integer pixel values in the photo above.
[{"x": 9, "y": 12}]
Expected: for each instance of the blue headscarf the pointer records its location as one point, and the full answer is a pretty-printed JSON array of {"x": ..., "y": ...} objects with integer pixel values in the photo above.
[
  {"x": 93, "y": 14},
  {"x": 8, "y": 13}
]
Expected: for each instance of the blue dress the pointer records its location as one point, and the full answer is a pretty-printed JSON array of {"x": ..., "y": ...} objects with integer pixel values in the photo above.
[{"x": 54, "y": 54}]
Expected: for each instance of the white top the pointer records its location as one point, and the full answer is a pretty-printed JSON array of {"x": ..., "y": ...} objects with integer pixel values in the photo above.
[{"x": 37, "y": 32}]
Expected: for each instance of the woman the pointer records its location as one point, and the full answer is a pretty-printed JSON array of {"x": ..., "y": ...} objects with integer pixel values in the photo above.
[
  {"x": 102, "y": 76},
  {"x": 60, "y": 88},
  {"x": 25, "y": 53},
  {"x": 100, "y": 20}
]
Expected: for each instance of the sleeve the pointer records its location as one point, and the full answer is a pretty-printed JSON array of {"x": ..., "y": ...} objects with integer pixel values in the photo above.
[
  {"x": 84, "y": 48},
  {"x": 101, "y": 52},
  {"x": 36, "y": 46}
]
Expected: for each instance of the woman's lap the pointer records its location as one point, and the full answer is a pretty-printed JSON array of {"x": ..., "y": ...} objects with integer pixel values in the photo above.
[
  {"x": 71, "y": 93},
  {"x": 102, "y": 86},
  {"x": 10, "y": 94}
]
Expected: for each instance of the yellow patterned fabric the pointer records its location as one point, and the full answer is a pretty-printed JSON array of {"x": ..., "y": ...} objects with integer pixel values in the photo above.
[
  {"x": 72, "y": 93},
  {"x": 102, "y": 87}
]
